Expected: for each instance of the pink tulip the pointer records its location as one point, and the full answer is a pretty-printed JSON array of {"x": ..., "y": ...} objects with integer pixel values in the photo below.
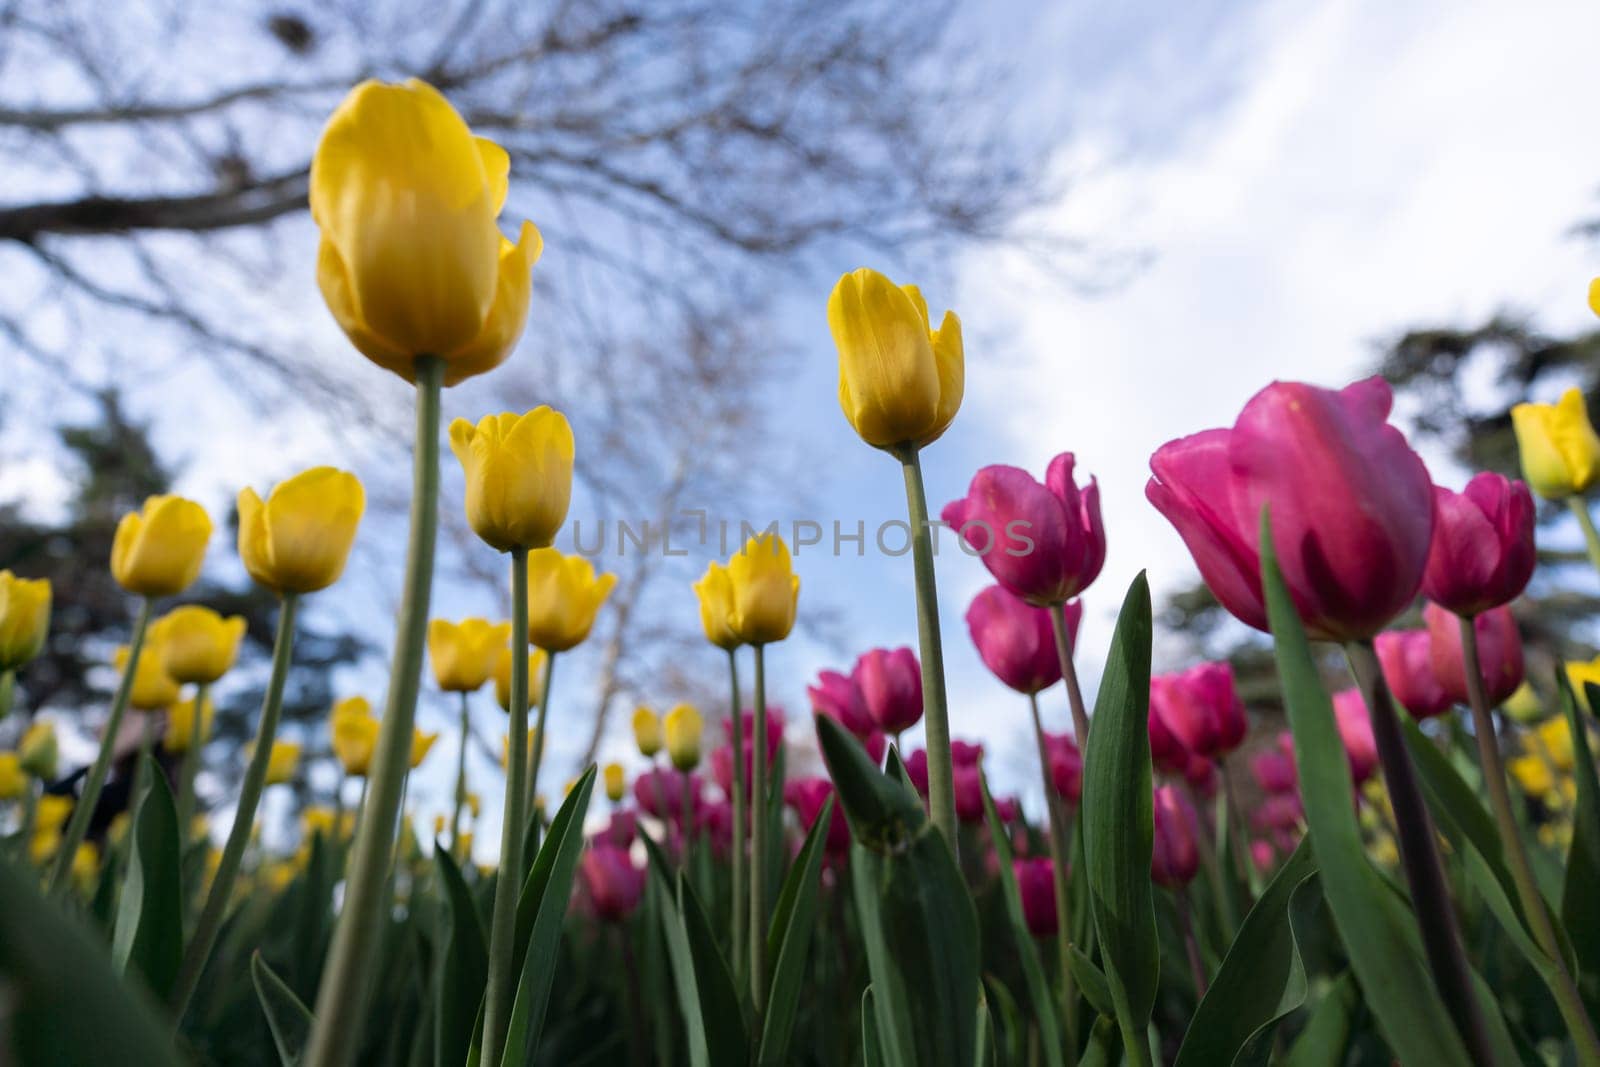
[
  {"x": 1201, "y": 774},
  {"x": 1066, "y": 767},
  {"x": 1175, "y": 853},
  {"x": 1278, "y": 811},
  {"x": 1355, "y": 730},
  {"x": 619, "y": 830},
  {"x": 1499, "y": 652},
  {"x": 837, "y": 696},
  {"x": 1045, "y": 543},
  {"x": 1274, "y": 768},
  {"x": 1482, "y": 554},
  {"x": 1407, "y": 660},
  {"x": 659, "y": 792},
  {"x": 807, "y": 796},
  {"x": 1201, "y": 708},
  {"x": 612, "y": 883},
  {"x": 1008, "y": 809},
  {"x": 1262, "y": 855},
  {"x": 1016, "y": 640},
  {"x": 1166, "y": 751},
  {"x": 916, "y": 766},
  {"x": 965, "y": 753},
  {"x": 968, "y": 782},
  {"x": 715, "y": 822},
  {"x": 775, "y": 720},
  {"x": 1352, "y": 506},
  {"x": 1036, "y": 885},
  {"x": 891, "y": 687}
]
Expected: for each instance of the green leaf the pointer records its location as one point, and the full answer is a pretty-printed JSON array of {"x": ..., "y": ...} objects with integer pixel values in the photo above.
[
  {"x": 1578, "y": 911},
  {"x": 287, "y": 1016},
  {"x": 789, "y": 942},
  {"x": 463, "y": 968},
  {"x": 702, "y": 1029},
  {"x": 881, "y": 812},
  {"x": 1117, "y": 819},
  {"x": 543, "y": 902},
  {"x": 727, "y": 1044},
  {"x": 1091, "y": 981},
  {"x": 1322, "y": 1043},
  {"x": 1105, "y": 1044},
  {"x": 871, "y": 1046},
  {"x": 1010, "y": 1029},
  {"x": 312, "y": 920},
  {"x": 1262, "y": 977},
  {"x": 149, "y": 930},
  {"x": 1044, "y": 1003},
  {"x": 1379, "y": 932}
]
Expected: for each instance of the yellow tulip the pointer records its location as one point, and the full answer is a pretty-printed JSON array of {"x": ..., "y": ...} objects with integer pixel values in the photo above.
[
  {"x": 153, "y": 688},
  {"x": 1532, "y": 774},
  {"x": 421, "y": 745},
  {"x": 765, "y": 591},
  {"x": 158, "y": 551},
  {"x": 464, "y": 654},
  {"x": 355, "y": 734},
  {"x": 900, "y": 382},
  {"x": 474, "y": 804},
  {"x": 505, "y": 751},
  {"x": 502, "y": 678},
  {"x": 715, "y": 592},
  {"x": 298, "y": 540},
  {"x": 684, "y": 728},
  {"x": 51, "y": 813},
  {"x": 85, "y": 864},
  {"x": 616, "y": 782},
  {"x": 1524, "y": 705},
  {"x": 563, "y": 596},
  {"x": 1560, "y": 450},
  {"x": 13, "y": 782},
  {"x": 181, "y": 723},
  {"x": 1553, "y": 741},
  {"x": 647, "y": 732},
  {"x": 39, "y": 750},
  {"x": 1594, "y": 295},
  {"x": 519, "y": 476},
  {"x": 24, "y": 619},
  {"x": 281, "y": 762},
  {"x": 412, "y": 262},
  {"x": 197, "y": 644},
  {"x": 1579, "y": 672},
  {"x": 439, "y": 823}
]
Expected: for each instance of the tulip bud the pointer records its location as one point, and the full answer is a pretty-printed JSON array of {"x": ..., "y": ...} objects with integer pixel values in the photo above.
[
  {"x": 1175, "y": 851},
  {"x": 891, "y": 688},
  {"x": 297, "y": 541},
  {"x": 181, "y": 723},
  {"x": 355, "y": 735},
  {"x": 647, "y": 732},
  {"x": 421, "y": 745},
  {"x": 1482, "y": 553},
  {"x": 1274, "y": 769},
  {"x": 281, "y": 762},
  {"x": 1201, "y": 708},
  {"x": 1355, "y": 730},
  {"x": 519, "y": 476},
  {"x": 153, "y": 688},
  {"x": 616, "y": 782},
  {"x": 611, "y": 883},
  {"x": 766, "y": 591},
  {"x": 464, "y": 654},
  {"x": 1406, "y": 657},
  {"x": 24, "y": 619},
  {"x": 715, "y": 592},
  {"x": 13, "y": 782},
  {"x": 39, "y": 751},
  {"x": 900, "y": 382},
  {"x": 1559, "y": 448},
  {"x": 198, "y": 645},
  {"x": 684, "y": 728},
  {"x": 502, "y": 678},
  {"x": 1499, "y": 652},
  {"x": 157, "y": 551},
  {"x": 1036, "y": 885},
  {"x": 1066, "y": 767},
  {"x": 412, "y": 261},
  {"x": 1016, "y": 640},
  {"x": 807, "y": 796},
  {"x": 563, "y": 596}
]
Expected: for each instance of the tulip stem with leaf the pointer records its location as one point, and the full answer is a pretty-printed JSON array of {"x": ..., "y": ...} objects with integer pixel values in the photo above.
[
  {"x": 1060, "y": 854},
  {"x": 1562, "y": 986},
  {"x": 738, "y": 858},
  {"x": 461, "y": 776},
  {"x": 536, "y": 757},
  {"x": 758, "y": 838},
  {"x": 1069, "y": 674},
  {"x": 191, "y": 760}
]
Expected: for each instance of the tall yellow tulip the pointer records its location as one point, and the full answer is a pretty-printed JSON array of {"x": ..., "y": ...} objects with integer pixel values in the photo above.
[
  {"x": 647, "y": 732},
  {"x": 39, "y": 750},
  {"x": 684, "y": 728},
  {"x": 616, "y": 780},
  {"x": 355, "y": 734},
  {"x": 197, "y": 645},
  {"x": 421, "y": 745},
  {"x": 465, "y": 654},
  {"x": 1559, "y": 448},
  {"x": 502, "y": 678},
  {"x": 412, "y": 262},
  {"x": 900, "y": 382},
  {"x": 14, "y": 783},
  {"x": 714, "y": 590},
  {"x": 766, "y": 591},
  {"x": 564, "y": 594},
  {"x": 153, "y": 688},
  {"x": 181, "y": 723},
  {"x": 24, "y": 619},
  {"x": 157, "y": 551},
  {"x": 519, "y": 476},
  {"x": 297, "y": 541},
  {"x": 281, "y": 762}
]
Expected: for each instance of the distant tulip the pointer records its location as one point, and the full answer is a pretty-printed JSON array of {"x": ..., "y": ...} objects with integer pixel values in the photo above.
[
  {"x": 1355, "y": 730},
  {"x": 1016, "y": 640},
  {"x": 1407, "y": 660},
  {"x": 281, "y": 762},
  {"x": 24, "y": 619},
  {"x": 807, "y": 796},
  {"x": 900, "y": 382},
  {"x": 714, "y": 591},
  {"x": 1279, "y": 811},
  {"x": 1167, "y": 752},
  {"x": 659, "y": 792},
  {"x": 1066, "y": 766},
  {"x": 153, "y": 688},
  {"x": 297, "y": 541},
  {"x": 616, "y": 780},
  {"x": 647, "y": 732},
  {"x": 421, "y": 745},
  {"x": 722, "y": 758},
  {"x": 1352, "y": 506},
  {"x": 465, "y": 654},
  {"x": 715, "y": 822},
  {"x": 1201, "y": 708},
  {"x": 965, "y": 753},
  {"x": 612, "y": 884},
  {"x": 837, "y": 696},
  {"x": 1274, "y": 768},
  {"x": 1043, "y": 542},
  {"x": 157, "y": 551},
  {"x": 502, "y": 678},
  {"x": 1499, "y": 652},
  {"x": 1483, "y": 553},
  {"x": 412, "y": 261},
  {"x": 564, "y": 596},
  {"x": 355, "y": 734},
  {"x": 181, "y": 723},
  {"x": 39, "y": 750},
  {"x": 916, "y": 765},
  {"x": 619, "y": 830},
  {"x": 684, "y": 728},
  {"x": 967, "y": 780},
  {"x": 1525, "y": 705},
  {"x": 891, "y": 687},
  {"x": 1037, "y": 888},
  {"x": 765, "y": 591},
  {"x": 13, "y": 783},
  {"x": 1559, "y": 448},
  {"x": 198, "y": 645},
  {"x": 1580, "y": 673},
  {"x": 519, "y": 476},
  {"x": 1175, "y": 851},
  {"x": 1262, "y": 855}
]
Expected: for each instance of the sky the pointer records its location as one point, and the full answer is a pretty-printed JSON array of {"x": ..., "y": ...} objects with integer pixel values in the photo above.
[{"x": 1280, "y": 185}]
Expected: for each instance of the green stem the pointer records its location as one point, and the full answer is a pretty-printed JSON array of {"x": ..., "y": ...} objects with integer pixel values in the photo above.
[
  {"x": 141, "y": 770},
  {"x": 1069, "y": 675},
  {"x": 936, "y": 718},
  {"x": 1059, "y": 855},
  {"x": 1419, "y": 856},
  {"x": 1533, "y": 903},
  {"x": 342, "y": 997},
  {"x": 538, "y": 730},
  {"x": 83, "y": 810},
  {"x": 513, "y": 824},
  {"x": 461, "y": 780},
  {"x": 1591, "y": 537},
  {"x": 191, "y": 765},
  {"x": 244, "y": 817},
  {"x": 688, "y": 819},
  {"x": 758, "y": 839},
  {"x": 1243, "y": 867},
  {"x": 8, "y": 691},
  {"x": 738, "y": 816},
  {"x": 1191, "y": 944}
]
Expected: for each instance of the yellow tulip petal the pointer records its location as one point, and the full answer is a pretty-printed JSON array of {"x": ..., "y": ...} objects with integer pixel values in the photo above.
[{"x": 509, "y": 313}]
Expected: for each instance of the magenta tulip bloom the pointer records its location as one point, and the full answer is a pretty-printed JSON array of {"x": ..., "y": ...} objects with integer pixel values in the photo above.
[
  {"x": 612, "y": 884},
  {"x": 1355, "y": 730},
  {"x": 1274, "y": 768},
  {"x": 891, "y": 687},
  {"x": 1352, "y": 506},
  {"x": 1066, "y": 767},
  {"x": 1009, "y": 809},
  {"x": 1201, "y": 774},
  {"x": 1200, "y": 707},
  {"x": 1175, "y": 853},
  {"x": 916, "y": 766},
  {"x": 1017, "y": 640},
  {"x": 1499, "y": 652},
  {"x": 968, "y": 783},
  {"x": 837, "y": 696},
  {"x": 1262, "y": 856},
  {"x": 715, "y": 822},
  {"x": 659, "y": 792},
  {"x": 775, "y": 720},
  {"x": 620, "y": 830},
  {"x": 807, "y": 796},
  {"x": 1166, "y": 751},
  {"x": 1482, "y": 554},
  {"x": 965, "y": 753},
  {"x": 1045, "y": 543},
  {"x": 1278, "y": 811},
  {"x": 1407, "y": 660},
  {"x": 1036, "y": 885}
]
